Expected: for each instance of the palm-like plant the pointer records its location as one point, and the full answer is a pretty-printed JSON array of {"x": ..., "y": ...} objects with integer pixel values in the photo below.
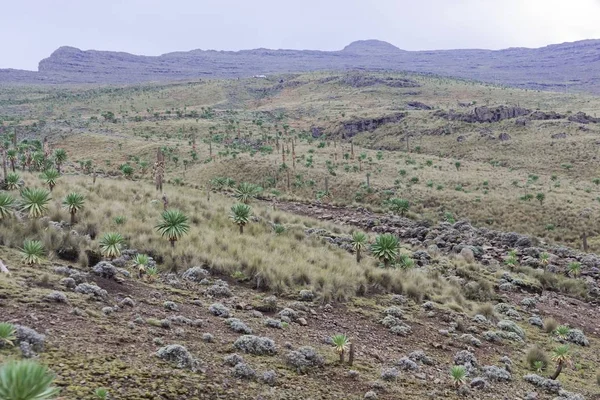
[
  {"x": 240, "y": 215},
  {"x": 6, "y": 205},
  {"x": 101, "y": 393},
  {"x": 111, "y": 244},
  {"x": 574, "y": 268},
  {"x": 562, "y": 331},
  {"x": 538, "y": 366},
  {"x": 26, "y": 380},
  {"x": 60, "y": 157},
  {"x": 561, "y": 357},
  {"x": 405, "y": 261},
  {"x": 385, "y": 248},
  {"x": 50, "y": 176},
  {"x": 173, "y": 225},
  {"x": 278, "y": 229},
  {"x": 359, "y": 243},
  {"x": 73, "y": 202},
  {"x": 35, "y": 201},
  {"x": 7, "y": 334},
  {"x": 152, "y": 272},
  {"x": 11, "y": 156},
  {"x": 341, "y": 343},
  {"x": 399, "y": 206},
  {"x": 540, "y": 197},
  {"x": 12, "y": 181},
  {"x": 458, "y": 375},
  {"x": 544, "y": 259},
  {"x": 32, "y": 252},
  {"x": 245, "y": 192}
]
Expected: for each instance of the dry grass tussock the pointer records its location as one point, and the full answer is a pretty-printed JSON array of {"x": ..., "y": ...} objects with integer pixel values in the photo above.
[{"x": 277, "y": 263}]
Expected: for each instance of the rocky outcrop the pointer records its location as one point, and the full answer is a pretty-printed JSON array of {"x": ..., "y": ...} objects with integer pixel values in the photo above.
[
  {"x": 485, "y": 114},
  {"x": 583, "y": 118},
  {"x": 351, "y": 128},
  {"x": 359, "y": 80}
]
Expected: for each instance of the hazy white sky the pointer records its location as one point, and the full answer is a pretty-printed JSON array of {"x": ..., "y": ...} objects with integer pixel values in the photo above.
[{"x": 31, "y": 29}]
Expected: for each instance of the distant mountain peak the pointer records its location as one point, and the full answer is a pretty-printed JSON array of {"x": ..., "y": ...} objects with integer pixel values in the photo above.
[{"x": 371, "y": 46}]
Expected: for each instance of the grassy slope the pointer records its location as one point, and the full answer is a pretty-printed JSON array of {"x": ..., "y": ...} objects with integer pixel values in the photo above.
[{"x": 506, "y": 166}]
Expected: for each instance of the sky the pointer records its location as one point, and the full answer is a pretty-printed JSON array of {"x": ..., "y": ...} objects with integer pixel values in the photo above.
[{"x": 32, "y": 29}]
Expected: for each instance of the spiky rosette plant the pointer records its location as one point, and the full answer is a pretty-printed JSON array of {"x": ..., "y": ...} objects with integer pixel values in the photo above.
[
  {"x": 111, "y": 244},
  {"x": 73, "y": 202},
  {"x": 173, "y": 225},
  {"x": 26, "y": 380},
  {"x": 34, "y": 201},
  {"x": 385, "y": 248},
  {"x": 32, "y": 252},
  {"x": 6, "y": 205},
  {"x": 240, "y": 215},
  {"x": 359, "y": 243}
]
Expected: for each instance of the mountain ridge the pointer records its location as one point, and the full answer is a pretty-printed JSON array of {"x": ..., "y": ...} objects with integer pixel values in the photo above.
[{"x": 548, "y": 67}]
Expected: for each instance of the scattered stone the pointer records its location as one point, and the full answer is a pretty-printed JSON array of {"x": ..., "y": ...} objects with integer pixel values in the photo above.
[
  {"x": 180, "y": 356},
  {"x": 352, "y": 374},
  {"x": 255, "y": 345},
  {"x": 536, "y": 321},
  {"x": 127, "y": 302},
  {"x": 399, "y": 299},
  {"x": 480, "y": 319},
  {"x": 171, "y": 306},
  {"x": 107, "y": 310},
  {"x": 78, "y": 312},
  {"x": 479, "y": 383},
  {"x": 428, "y": 306},
  {"x": 304, "y": 358},
  {"x": 576, "y": 336},
  {"x": 208, "y": 338},
  {"x": 370, "y": 395}
]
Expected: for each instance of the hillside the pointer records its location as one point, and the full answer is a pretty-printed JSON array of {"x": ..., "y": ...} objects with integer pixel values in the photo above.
[
  {"x": 447, "y": 227},
  {"x": 567, "y": 66}
]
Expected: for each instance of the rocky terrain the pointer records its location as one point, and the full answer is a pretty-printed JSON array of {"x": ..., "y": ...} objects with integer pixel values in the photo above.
[{"x": 567, "y": 66}]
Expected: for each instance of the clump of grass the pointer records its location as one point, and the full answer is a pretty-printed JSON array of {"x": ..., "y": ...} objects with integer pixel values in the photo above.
[
  {"x": 487, "y": 310},
  {"x": 550, "y": 325},
  {"x": 537, "y": 359}
]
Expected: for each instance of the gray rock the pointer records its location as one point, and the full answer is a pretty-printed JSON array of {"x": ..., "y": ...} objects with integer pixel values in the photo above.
[
  {"x": 536, "y": 321},
  {"x": 576, "y": 336},
  {"x": 219, "y": 291},
  {"x": 274, "y": 323},
  {"x": 208, "y": 338},
  {"x": 370, "y": 395},
  {"x": 548, "y": 385},
  {"x": 479, "y": 383},
  {"x": 306, "y": 295},
  {"x": 69, "y": 283},
  {"x": 171, "y": 306}
]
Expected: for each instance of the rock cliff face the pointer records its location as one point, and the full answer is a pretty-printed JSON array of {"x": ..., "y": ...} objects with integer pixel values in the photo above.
[
  {"x": 351, "y": 128},
  {"x": 551, "y": 67}
]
